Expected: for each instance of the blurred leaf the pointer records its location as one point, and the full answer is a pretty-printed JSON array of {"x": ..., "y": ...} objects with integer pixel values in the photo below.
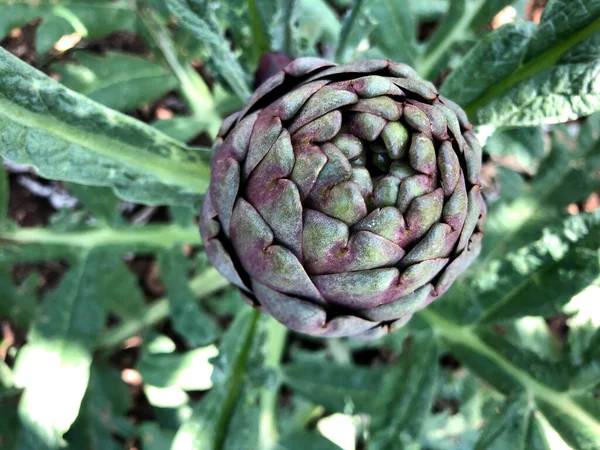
[
  {"x": 182, "y": 215},
  {"x": 117, "y": 80},
  {"x": 525, "y": 145},
  {"x": 60, "y": 347},
  {"x": 534, "y": 334},
  {"x": 316, "y": 24},
  {"x": 102, "y": 411},
  {"x": 303, "y": 440},
  {"x": 154, "y": 437},
  {"x": 42, "y": 244},
  {"x": 191, "y": 371},
  {"x": 182, "y": 128},
  {"x": 91, "y": 19},
  {"x": 567, "y": 175},
  {"x": 514, "y": 426},
  {"x": 395, "y": 30},
  {"x": 18, "y": 302},
  {"x": 71, "y": 138},
  {"x": 4, "y": 196},
  {"x": 189, "y": 320},
  {"x": 347, "y": 389},
  {"x": 198, "y": 17},
  {"x": 405, "y": 398},
  {"x": 429, "y": 10},
  {"x": 228, "y": 415},
  {"x": 9, "y": 426},
  {"x": 99, "y": 201},
  {"x": 457, "y": 24}
]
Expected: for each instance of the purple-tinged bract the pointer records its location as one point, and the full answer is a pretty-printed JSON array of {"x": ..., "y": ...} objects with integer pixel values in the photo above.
[{"x": 344, "y": 198}]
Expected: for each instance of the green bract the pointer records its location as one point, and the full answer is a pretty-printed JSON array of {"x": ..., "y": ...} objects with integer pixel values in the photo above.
[{"x": 344, "y": 198}]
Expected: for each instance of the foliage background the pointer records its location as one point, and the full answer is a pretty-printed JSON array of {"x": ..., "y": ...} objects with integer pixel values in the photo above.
[{"x": 117, "y": 333}]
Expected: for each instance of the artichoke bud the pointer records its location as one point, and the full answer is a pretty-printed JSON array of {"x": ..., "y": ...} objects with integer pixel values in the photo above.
[{"x": 344, "y": 198}]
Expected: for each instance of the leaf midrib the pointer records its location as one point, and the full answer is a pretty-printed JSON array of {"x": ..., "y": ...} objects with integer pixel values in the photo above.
[
  {"x": 192, "y": 176},
  {"x": 159, "y": 236},
  {"x": 465, "y": 336},
  {"x": 543, "y": 61}
]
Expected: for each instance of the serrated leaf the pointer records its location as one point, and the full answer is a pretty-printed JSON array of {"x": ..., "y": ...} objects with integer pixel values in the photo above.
[
  {"x": 547, "y": 85},
  {"x": 493, "y": 58},
  {"x": 560, "y": 20},
  {"x": 60, "y": 347},
  {"x": 69, "y": 137},
  {"x": 510, "y": 369},
  {"x": 406, "y": 397},
  {"x": 339, "y": 388},
  {"x": 190, "y": 321},
  {"x": 90, "y": 18},
  {"x": 565, "y": 176},
  {"x": 209, "y": 425},
  {"x": 117, "y": 80},
  {"x": 198, "y": 18},
  {"x": 541, "y": 278},
  {"x": 513, "y": 426}
]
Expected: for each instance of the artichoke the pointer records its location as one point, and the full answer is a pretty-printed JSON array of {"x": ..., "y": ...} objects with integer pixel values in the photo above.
[{"x": 344, "y": 198}]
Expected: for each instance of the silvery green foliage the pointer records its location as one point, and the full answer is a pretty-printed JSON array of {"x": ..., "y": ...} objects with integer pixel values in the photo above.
[{"x": 487, "y": 367}]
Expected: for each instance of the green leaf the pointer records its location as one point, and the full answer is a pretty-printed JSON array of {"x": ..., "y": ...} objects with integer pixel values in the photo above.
[
  {"x": 154, "y": 437},
  {"x": 549, "y": 84},
  {"x": 189, "y": 320},
  {"x": 198, "y": 18},
  {"x": 117, "y": 80},
  {"x": 536, "y": 280},
  {"x": 494, "y": 58},
  {"x": 41, "y": 244},
  {"x": 560, "y": 20},
  {"x": 69, "y": 137},
  {"x": 395, "y": 31},
  {"x": 525, "y": 145},
  {"x": 565, "y": 176},
  {"x": 9, "y": 425},
  {"x": 215, "y": 422},
  {"x": 99, "y": 201},
  {"x": 190, "y": 371},
  {"x": 510, "y": 369},
  {"x": 540, "y": 279},
  {"x": 462, "y": 16},
  {"x": 406, "y": 397},
  {"x": 339, "y": 388},
  {"x": 102, "y": 412},
  {"x": 18, "y": 302},
  {"x": 90, "y": 18},
  {"x": 513, "y": 426},
  {"x": 4, "y": 196},
  {"x": 301, "y": 440},
  {"x": 60, "y": 347}
]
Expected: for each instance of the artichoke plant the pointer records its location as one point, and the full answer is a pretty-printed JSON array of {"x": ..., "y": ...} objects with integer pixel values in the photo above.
[{"x": 344, "y": 198}]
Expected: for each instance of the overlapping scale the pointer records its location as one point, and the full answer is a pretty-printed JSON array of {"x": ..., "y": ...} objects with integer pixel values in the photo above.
[{"x": 344, "y": 198}]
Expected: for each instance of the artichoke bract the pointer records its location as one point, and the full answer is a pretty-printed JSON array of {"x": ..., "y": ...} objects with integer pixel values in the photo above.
[{"x": 344, "y": 198}]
